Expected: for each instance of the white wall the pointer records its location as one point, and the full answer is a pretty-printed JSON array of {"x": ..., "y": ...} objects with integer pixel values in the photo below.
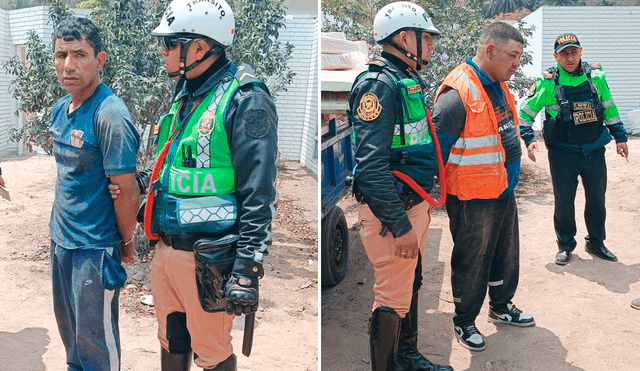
[
  {"x": 7, "y": 104},
  {"x": 609, "y": 35},
  {"x": 298, "y": 106}
]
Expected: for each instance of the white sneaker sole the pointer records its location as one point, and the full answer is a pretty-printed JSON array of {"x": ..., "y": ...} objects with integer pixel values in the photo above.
[
  {"x": 466, "y": 346},
  {"x": 525, "y": 324}
]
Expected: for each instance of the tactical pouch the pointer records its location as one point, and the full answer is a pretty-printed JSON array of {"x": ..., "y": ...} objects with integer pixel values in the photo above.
[
  {"x": 214, "y": 262},
  {"x": 412, "y": 100},
  {"x": 550, "y": 130}
]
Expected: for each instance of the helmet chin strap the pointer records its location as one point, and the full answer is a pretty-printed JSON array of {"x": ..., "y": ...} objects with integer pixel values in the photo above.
[
  {"x": 184, "y": 47},
  {"x": 420, "y": 63}
]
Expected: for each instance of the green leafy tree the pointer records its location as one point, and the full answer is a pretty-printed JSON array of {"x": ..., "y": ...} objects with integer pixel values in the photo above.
[
  {"x": 353, "y": 17},
  {"x": 35, "y": 103},
  {"x": 133, "y": 68},
  {"x": 496, "y": 7},
  {"x": 461, "y": 23},
  {"x": 256, "y": 42}
]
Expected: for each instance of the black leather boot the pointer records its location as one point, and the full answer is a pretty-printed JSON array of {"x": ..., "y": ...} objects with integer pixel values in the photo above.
[
  {"x": 409, "y": 358},
  {"x": 229, "y": 364},
  {"x": 384, "y": 330},
  {"x": 175, "y": 361}
]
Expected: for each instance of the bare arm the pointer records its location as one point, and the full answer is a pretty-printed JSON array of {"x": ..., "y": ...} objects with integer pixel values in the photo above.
[{"x": 126, "y": 207}]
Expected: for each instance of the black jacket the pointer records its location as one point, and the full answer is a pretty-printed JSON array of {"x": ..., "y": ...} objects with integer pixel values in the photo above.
[
  {"x": 373, "y": 182},
  {"x": 251, "y": 124}
]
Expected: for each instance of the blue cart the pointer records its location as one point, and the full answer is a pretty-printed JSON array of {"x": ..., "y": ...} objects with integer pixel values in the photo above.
[{"x": 337, "y": 163}]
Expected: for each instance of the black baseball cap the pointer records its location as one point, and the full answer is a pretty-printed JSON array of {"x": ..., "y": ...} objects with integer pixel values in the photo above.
[{"x": 564, "y": 41}]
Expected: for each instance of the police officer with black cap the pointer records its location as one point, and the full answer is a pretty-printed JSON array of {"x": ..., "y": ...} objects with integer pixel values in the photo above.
[
  {"x": 387, "y": 111},
  {"x": 578, "y": 106}
]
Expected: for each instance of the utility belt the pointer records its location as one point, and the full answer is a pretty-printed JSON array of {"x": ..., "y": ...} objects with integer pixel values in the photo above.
[
  {"x": 409, "y": 200},
  {"x": 214, "y": 258},
  {"x": 179, "y": 242}
]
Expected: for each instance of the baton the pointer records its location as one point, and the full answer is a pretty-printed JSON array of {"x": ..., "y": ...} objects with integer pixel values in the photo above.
[{"x": 247, "y": 340}]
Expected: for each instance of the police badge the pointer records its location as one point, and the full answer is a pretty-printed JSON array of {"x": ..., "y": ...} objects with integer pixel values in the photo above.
[
  {"x": 207, "y": 123},
  {"x": 369, "y": 108}
]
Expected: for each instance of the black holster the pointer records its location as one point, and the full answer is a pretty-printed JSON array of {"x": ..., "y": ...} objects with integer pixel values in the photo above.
[{"x": 214, "y": 262}]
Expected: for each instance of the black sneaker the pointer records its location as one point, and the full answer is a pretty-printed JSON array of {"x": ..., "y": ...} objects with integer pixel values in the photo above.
[
  {"x": 510, "y": 316},
  {"x": 469, "y": 337}
]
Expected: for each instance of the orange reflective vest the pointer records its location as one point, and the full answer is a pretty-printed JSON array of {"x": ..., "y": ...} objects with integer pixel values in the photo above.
[{"x": 475, "y": 169}]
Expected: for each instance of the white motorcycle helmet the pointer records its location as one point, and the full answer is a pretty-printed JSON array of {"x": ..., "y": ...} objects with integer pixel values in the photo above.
[
  {"x": 403, "y": 15},
  {"x": 186, "y": 20}
]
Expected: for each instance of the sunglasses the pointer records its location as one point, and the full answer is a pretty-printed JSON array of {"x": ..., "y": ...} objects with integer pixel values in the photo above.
[{"x": 170, "y": 43}]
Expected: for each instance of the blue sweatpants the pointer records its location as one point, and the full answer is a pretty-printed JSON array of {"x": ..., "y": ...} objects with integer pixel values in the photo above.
[{"x": 86, "y": 312}]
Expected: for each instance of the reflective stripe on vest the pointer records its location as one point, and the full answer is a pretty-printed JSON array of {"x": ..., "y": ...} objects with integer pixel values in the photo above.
[
  {"x": 205, "y": 168},
  {"x": 475, "y": 168}
]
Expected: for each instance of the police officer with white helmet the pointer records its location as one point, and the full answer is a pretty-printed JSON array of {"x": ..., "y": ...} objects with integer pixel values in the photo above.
[
  {"x": 211, "y": 193},
  {"x": 387, "y": 111}
]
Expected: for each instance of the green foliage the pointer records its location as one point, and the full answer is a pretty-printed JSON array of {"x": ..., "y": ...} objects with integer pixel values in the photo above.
[
  {"x": 36, "y": 103},
  {"x": 461, "y": 25},
  {"x": 353, "y": 17},
  {"x": 256, "y": 42},
  {"x": 133, "y": 69},
  {"x": 89, "y": 4},
  {"x": 496, "y": 7}
]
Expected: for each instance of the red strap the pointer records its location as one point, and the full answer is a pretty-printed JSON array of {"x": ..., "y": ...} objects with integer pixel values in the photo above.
[
  {"x": 151, "y": 195},
  {"x": 443, "y": 185}
]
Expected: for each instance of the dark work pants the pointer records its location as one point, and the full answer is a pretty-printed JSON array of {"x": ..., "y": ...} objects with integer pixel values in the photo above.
[
  {"x": 565, "y": 168},
  {"x": 86, "y": 312},
  {"x": 486, "y": 252}
]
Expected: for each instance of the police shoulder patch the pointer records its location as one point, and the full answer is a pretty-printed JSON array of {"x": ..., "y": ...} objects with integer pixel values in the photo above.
[
  {"x": 369, "y": 108},
  {"x": 256, "y": 123},
  {"x": 596, "y": 66},
  {"x": 532, "y": 90},
  {"x": 548, "y": 76}
]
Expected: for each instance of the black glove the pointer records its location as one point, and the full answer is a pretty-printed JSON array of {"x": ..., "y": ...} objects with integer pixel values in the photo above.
[{"x": 242, "y": 288}]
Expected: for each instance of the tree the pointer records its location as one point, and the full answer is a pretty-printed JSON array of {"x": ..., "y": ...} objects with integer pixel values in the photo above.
[
  {"x": 134, "y": 69},
  {"x": 256, "y": 43},
  {"x": 353, "y": 17},
  {"x": 496, "y": 7},
  {"x": 461, "y": 23}
]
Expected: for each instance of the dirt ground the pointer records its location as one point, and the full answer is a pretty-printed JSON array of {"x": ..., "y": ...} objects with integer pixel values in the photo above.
[
  {"x": 286, "y": 333},
  {"x": 583, "y": 316}
]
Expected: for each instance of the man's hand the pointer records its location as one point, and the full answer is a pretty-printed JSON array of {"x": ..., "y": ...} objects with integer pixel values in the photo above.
[
  {"x": 242, "y": 294},
  {"x": 128, "y": 252},
  {"x": 242, "y": 288},
  {"x": 407, "y": 245},
  {"x": 532, "y": 148},
  {"x": 114, "y": 189},
  {"x": 623, "y": 150}
]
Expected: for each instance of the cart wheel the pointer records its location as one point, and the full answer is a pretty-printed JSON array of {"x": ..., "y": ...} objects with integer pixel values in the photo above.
[{"x": 335, "y": 247}]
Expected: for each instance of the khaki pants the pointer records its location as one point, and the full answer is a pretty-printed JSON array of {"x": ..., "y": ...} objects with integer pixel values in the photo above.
[
  {"x": 394, "y": 276},
  {"x": 182, "y": 323}
]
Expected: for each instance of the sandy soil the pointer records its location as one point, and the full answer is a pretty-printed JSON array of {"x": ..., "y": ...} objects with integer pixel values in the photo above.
[
  {"x": 286, "y": 324},
  {"x": 582, "y": 312}
]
